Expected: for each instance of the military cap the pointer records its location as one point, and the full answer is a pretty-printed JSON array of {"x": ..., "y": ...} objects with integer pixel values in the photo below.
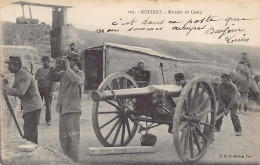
[
  {"x": 179, "y": 76},
  {"x": 141, "y": 62},
  {"x": 72, "y": 44},
  {"x": 226, "y": 76},
  {"x": 14, "y": 59},
  {"x": 45, "y": 58}
]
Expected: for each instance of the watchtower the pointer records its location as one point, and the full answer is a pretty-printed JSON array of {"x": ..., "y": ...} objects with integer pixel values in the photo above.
[{"x": 59, "y": 19}]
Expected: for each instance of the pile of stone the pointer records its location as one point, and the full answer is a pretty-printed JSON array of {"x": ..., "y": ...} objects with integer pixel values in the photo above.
[{"x": 23, "y": 20}]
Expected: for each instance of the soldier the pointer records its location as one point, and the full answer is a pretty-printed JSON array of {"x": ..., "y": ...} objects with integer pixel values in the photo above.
[
  {"x": 253, "y": 85},
  {"x": 228, "y": 102},
  {"x": 179, "y": 79},
  {"x": 69, "y": 105},
  {"x": 46, "y": 86},
  {"x": 138, "y": 73},
  {"x": 72, "y": 49},
  {"x": 242, "y": 80},
  {"x": 25, "y": 88}
]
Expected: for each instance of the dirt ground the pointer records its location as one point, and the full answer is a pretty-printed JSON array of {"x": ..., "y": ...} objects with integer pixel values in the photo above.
[{"x": 49, "y": 151}]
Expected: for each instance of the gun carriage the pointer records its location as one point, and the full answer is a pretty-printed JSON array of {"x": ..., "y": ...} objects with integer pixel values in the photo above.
[{"x": 120, "y": 107}]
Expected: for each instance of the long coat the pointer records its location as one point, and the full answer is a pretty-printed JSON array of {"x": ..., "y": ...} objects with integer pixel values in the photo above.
[{"x": 69, "y": 98}]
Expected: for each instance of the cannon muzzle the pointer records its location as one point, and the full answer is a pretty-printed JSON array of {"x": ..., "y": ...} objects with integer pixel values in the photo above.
[{"x": 173, "y": 90}]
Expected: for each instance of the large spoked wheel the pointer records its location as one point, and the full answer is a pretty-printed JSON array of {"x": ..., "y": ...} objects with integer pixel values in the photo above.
[
  {"x": 194, "y": 119},
  {"x": 111, "y": 122}
]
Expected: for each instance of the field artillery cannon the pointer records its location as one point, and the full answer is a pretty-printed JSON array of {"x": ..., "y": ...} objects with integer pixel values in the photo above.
[{"x": 120, "y": 106}]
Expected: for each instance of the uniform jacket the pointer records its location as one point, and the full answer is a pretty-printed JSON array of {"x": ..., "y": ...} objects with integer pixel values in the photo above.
[
  {"x": 69, "y": 51},
  {"x": 25, "y": 88},
  {"x": 69, "y": 98},
  {"x": 228, "y": 95},
  {"x": 139, "y": 74},
  {"x": 242, "y": 80},
  {"x": 43, "y": 75}
]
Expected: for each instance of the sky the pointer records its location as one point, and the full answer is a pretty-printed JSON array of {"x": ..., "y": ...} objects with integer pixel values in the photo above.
[{"x": 238, "y": 20}]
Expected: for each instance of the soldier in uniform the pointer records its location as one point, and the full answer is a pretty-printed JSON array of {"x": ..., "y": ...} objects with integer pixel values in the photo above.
[
  {"x": 228, "y": 100},
  {"x": 69, "y": 105},
  {"x": 72, "y": 49},
  {"x": 139, "y": 74},
  {"x": 25, "y": 88},
  {"x": 179, "y": 79},
  {"x": 46, "y": 85},
  {"x": 253, "y": 85}
]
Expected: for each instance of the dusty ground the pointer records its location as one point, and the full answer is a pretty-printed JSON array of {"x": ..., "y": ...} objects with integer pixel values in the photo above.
[{"x": 227, "y": 148}]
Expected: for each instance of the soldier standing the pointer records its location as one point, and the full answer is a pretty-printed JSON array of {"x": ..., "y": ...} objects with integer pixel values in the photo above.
[
  {"x": 69, "y": 105},
  {"x": 242, "y": 80},
  {"x": 46, "y": 86}
]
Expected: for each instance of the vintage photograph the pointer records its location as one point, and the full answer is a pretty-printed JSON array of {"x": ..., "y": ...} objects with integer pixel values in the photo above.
[{"x": 130, "y": 82}]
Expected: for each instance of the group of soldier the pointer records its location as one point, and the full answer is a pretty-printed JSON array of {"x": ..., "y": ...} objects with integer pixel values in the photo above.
[
  {"x": 233, "y": 93},
  {"x": 71, "y": 80}
]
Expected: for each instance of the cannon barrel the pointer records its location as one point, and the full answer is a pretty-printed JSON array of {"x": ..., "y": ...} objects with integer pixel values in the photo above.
[{"x": 173, "y": 90}]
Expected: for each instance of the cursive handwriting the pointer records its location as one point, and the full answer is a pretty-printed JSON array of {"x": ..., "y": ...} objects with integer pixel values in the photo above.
[
  {"x": 230, "y": 19},
  {"x": 223, "y": 31},
  {"x": 149, "y": 22},
  {"x": 236, "y": 38},
  {"x": 189, "y": 25},
  {"x": 229, "y": 29}
]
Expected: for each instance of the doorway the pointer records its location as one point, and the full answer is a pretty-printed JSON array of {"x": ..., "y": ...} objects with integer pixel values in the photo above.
[{"x": 93, "y": 68}]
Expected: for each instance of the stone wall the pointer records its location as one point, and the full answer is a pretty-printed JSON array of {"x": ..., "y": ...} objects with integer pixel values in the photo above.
[{"x": 37, "y": 36}]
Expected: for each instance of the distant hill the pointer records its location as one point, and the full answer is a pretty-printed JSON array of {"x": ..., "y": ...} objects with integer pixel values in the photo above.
[{"x": 223, "y": 55}]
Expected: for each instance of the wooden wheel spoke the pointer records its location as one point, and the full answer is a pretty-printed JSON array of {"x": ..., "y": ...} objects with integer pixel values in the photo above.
[
  {"x": 120, "y": 101},
  {"x": 110, "y": 121},
  {"x": 117, "y": 133},
  {"x": 189, "y": 100},
  {"x": 186, "y": 140},
  {"x": 203, "y": 113},
  {"x": 183, "y": 125},
  {"x": 109, "y": 87},
  {"x": 118, "y": 84},
  {"x": 107, "y": 112},
  {"x": 196, "y": 140},
  {"x": 183, "y": 135},
  {"x": 125, "y": 84},
  {"x": 128, "y": 128},
  {"x": 191, "y": 143},
  {"x": 198, "y": 100},
  {"x": 195, "y": 94},
  {"x": 201, "y": 134},
  {"x": 206, "y": 124},
  {"x": 109, "y": 102},
  {"x": 123, "y": 133},
  {"x": 186, "y": 109},
  {"x": 202, "y": 105},
  {"x": 113, "y": 128}
]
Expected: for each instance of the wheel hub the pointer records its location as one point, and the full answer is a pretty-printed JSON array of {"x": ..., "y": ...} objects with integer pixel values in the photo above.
[{"x": 194, "y": 119}]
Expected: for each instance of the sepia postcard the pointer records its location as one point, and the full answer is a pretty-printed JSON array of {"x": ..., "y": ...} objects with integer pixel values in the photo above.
[{"x": 150, "y": 82}]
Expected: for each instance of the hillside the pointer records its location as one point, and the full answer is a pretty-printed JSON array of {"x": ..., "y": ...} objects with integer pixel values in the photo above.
[
  {"x": 227, "y": 55},
  {"x": 221, "y": 55}
]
